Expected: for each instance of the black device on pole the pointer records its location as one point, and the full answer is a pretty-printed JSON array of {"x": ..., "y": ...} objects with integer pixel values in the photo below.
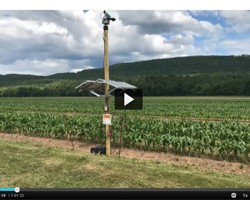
[{"x": 106, "y": 18}]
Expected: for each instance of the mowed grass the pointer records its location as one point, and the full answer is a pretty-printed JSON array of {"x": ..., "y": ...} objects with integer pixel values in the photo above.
[{"x": 32, "y": 165}]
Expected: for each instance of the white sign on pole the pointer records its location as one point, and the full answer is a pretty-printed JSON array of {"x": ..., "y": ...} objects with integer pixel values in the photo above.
[{"x": 107, "y": 119}]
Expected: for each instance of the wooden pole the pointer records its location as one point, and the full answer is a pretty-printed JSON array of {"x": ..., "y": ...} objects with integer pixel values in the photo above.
[{"x": 106, "y": 77}]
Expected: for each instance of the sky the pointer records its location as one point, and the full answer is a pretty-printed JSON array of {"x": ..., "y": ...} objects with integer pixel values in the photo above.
[{"x": 55, "y": 41}]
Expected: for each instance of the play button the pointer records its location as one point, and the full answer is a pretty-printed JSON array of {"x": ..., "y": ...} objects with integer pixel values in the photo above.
[{"x": 128, "y": 99}]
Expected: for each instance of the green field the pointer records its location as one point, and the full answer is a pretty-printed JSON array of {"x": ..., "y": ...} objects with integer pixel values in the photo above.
[
  {"x": 236, "y": 108},
  {"x": 216, "y": 127}
]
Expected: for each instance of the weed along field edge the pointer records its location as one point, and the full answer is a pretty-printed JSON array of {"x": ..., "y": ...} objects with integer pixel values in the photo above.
[
  {"x": 172, "y": 142},
  {"x": 42, "y": 164}
]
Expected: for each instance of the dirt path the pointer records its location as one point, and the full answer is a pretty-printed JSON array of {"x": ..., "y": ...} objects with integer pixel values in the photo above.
[{"x": 201, "y": 163}]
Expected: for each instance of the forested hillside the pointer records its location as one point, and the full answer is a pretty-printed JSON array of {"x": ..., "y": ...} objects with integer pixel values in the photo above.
[{"x": 196, "y": 75}]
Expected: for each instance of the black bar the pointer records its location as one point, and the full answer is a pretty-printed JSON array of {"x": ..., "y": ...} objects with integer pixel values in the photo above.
[
  {"x": 105, "y": 28},
  {"x": 129, "y": 194}
]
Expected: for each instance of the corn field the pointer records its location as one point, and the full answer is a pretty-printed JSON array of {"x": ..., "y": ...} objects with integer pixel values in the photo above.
[{"x": 224, "y": 138}]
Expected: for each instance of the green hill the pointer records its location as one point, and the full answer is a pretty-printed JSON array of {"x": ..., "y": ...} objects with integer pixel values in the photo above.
[
  {"x": 168, "y": 66},
  {"x": 194, "y": 75}
]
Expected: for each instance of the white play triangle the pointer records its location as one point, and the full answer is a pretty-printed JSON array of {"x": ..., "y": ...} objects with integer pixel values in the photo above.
[{"x": 127, "y": 99}]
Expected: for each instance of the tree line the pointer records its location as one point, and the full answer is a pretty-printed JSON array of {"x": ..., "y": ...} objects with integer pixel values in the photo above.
[{"x": 154, "y": 85}]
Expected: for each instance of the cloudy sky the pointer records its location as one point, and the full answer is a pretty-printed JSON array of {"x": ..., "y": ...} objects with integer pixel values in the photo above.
[{"x": 48, "y": 42}]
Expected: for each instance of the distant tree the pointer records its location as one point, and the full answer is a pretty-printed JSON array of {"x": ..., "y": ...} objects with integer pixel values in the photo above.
[{"x": 246, "y": 89}]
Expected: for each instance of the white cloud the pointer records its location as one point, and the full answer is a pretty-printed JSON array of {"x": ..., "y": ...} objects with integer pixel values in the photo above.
[
  {"x": 242, "y": 46},
  {"x": 238, "y": 21},
  {"x": 46, "y": 42},
  {"x": 211, "y": 29},
  {"x": 75, "y": 70},
  {"x": 159, "y": 22},
  {"x": 37, "y": 67}
]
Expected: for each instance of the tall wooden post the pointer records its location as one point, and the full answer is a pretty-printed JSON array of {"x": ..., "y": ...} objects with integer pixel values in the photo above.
[{"x": 106, "y": 77}]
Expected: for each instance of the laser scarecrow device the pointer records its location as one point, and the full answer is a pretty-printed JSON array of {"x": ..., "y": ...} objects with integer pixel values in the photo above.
[{"x": 106, "y": 18}]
